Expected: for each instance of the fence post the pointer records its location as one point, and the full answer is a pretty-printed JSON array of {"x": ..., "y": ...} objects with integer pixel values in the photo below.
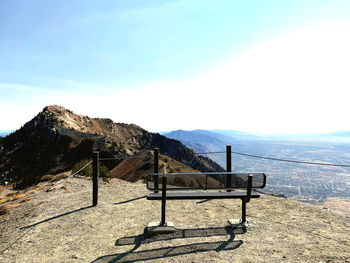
[
  {"x": 95, "y": 176},
  {"x": 228, "y": 167},
  {"x": 156, "y": 170}
]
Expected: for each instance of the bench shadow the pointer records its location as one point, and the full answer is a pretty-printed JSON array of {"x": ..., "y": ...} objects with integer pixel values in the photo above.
[
  {"x": 131, "y": 200},
  {"x": 58, "y": 216},
  {"x": 133, "y": 256}
]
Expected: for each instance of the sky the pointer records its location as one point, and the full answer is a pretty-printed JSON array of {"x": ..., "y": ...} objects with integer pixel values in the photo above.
[{"x": 253, "y": 66}]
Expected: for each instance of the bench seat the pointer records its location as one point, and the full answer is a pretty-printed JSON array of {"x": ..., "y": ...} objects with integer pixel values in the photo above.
[{"x": 201, "y": 195}]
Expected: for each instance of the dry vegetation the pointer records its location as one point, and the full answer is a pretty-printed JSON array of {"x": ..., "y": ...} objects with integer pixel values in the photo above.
[{"x": 10, "y": 198}]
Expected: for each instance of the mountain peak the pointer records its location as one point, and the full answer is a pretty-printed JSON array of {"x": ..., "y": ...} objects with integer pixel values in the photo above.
[
  {"x": 60, "y": 117},
  {"x": 56, "y": 109}
]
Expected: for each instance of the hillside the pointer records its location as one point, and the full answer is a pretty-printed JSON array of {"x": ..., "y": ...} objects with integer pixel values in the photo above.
[
  {"x": 58, "y": 225},
  {"x": 141, "y": 164},
  {"x": 4, "y": 133},
  {"x": 57, "y": 138}
]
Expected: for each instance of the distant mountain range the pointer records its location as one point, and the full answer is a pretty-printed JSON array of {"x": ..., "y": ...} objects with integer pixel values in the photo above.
[
  {"x": 227, "y": 135},
  {"x": 5, "y": 133},
  {"x": 204, "y": 141}
]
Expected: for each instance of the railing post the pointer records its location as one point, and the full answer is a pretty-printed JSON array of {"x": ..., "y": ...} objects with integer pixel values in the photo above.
[
  {"x": 156, "y": 170},
  {"x": 228, "y": 167},
  {"x": 95, "y": 176}
]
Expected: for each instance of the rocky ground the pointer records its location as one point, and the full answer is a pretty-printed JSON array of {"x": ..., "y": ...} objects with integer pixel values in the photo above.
[{"x": 57, "y": 224}]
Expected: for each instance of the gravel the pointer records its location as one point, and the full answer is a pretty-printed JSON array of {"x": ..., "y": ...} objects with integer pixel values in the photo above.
[{"x": 60, "y": 225}]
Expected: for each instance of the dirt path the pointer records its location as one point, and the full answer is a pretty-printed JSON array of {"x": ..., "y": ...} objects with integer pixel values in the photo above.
[{"x": 60, "y": 226}]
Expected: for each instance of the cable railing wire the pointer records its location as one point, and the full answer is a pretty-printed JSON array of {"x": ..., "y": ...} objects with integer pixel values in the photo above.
[
  {"x": 280, "y": 160},
  {"x": 210, "y": 152},
  {"x": 81, "y": 168},
  {"x": 120, "y": 158}
]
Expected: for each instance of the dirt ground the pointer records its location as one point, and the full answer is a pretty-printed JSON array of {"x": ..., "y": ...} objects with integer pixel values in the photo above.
[
  {"x": 60, "y": 225},
  {"x": 338, "y": 204}
]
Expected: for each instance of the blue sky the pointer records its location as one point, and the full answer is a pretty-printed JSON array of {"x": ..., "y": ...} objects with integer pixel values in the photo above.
[{"x": 255, "y": 66}]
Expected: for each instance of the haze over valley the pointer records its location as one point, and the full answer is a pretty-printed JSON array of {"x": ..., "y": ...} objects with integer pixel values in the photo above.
[{"x": 305, "y": 182}]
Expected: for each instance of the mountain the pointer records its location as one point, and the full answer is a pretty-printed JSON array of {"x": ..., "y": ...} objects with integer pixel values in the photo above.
[
  {"x": 340, "y": 134},
  {"x": 201, "y": 140},
  {"x": 4, "y": 133},
  {"x": 204, "y": 141},
  {"x": 239, "y": 135},
  {"x": 57, "y": 138}
]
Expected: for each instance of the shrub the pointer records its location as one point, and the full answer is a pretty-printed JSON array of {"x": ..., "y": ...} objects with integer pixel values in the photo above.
[
  {"x": 18, "y": 196},
  {"x": 47, "y": 177},
  {"x": 31, "y": 192},
  {"x": 4, "y": 200},
  {"x": 87, "y": 171},
  {"x": 60, "y": 177},
  {"x": 4, "y": 210}
]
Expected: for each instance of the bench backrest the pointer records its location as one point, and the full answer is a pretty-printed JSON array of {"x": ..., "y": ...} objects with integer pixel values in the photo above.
[{"x": 205, "y": 181}]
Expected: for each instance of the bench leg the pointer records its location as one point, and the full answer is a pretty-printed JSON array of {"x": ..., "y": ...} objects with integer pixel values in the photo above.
[
  {"x": 244, "y": 210},
  {"x": 162, "y": 221}
]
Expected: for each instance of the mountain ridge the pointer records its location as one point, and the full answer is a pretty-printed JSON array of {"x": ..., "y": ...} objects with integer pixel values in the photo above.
[{"x": 56, "y": 139}]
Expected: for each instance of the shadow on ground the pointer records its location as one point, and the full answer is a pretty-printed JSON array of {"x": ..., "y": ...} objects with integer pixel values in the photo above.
[
  {"x": 134, "y": 256},
  {"x": 55, "y": 217},
  {"x": 131, "y": 200}
]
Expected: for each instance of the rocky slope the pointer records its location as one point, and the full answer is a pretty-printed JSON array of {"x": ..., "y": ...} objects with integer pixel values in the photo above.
[
  {"x": 59, "y": 225},
  {"x": 57, "y": 138}
]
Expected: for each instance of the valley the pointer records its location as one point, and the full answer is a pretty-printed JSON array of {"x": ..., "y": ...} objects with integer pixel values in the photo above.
[{"x": 314, "y": 184}]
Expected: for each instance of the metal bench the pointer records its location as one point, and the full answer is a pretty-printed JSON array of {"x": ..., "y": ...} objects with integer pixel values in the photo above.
[{"x": 201, "y": 185}]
